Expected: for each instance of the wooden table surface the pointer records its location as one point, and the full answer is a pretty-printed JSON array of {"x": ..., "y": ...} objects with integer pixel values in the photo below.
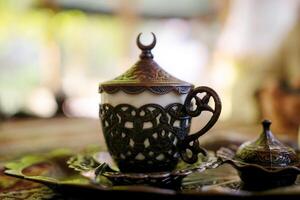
[{"x": 19, "y": 137}]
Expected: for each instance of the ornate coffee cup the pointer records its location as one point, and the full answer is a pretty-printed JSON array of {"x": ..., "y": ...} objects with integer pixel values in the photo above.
[{"x": 146, "y": 116}]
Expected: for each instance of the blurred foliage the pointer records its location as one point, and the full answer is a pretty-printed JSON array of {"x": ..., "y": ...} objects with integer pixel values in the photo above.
[{"x": 26, "y": 31}]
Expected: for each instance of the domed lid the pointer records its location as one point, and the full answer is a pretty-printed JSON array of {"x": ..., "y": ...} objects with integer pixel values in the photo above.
[
  {"x": 267, "y": 150},
  {"x": 146, "y": 74}
]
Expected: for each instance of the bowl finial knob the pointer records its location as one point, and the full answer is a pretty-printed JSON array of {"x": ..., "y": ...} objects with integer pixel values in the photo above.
[{"x": 266, "y": 124}]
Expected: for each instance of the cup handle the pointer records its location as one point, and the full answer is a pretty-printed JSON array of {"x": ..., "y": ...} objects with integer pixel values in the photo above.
[{"x": 189, "y": 146}]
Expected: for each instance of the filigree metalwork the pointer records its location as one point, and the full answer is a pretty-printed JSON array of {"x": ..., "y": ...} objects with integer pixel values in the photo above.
[
  {"x": 191, "y": 143},
  {"x": 146, "y": 74},
  {"x": 152, "y": 137},
  {"x": 144, "y": 139},
  {"x": 267, "y": 150},
  {"x": 139, "y": 89}
]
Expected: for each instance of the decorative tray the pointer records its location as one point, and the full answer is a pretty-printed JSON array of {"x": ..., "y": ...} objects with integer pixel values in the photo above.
[{"x": 52, "y": 169}]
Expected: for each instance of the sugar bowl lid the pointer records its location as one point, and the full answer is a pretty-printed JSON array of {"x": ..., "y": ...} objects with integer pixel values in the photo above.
[
  {"x": 267, "y": 151},
  {"x": 146, "y": 74}
]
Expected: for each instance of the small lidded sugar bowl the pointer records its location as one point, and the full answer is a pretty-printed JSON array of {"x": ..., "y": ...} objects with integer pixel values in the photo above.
[
  {"x": 265, "y": 162},
  {"x": 267, "y": 150},
  {"x": 146, "y": 116}
]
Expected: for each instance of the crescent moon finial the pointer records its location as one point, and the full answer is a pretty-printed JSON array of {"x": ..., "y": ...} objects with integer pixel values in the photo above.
[{"x": 146, "y": 49}]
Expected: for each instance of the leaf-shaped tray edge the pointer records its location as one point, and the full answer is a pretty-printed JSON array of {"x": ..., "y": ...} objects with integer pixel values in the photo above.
[{"x": 15, "y": 168}]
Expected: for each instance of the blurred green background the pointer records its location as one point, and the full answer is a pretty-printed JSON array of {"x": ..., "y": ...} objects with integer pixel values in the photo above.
[{"x": 54, "y": 53}]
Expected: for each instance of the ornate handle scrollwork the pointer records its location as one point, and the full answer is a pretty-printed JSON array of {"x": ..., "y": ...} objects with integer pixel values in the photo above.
[{"x": 189, "y": 146}]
